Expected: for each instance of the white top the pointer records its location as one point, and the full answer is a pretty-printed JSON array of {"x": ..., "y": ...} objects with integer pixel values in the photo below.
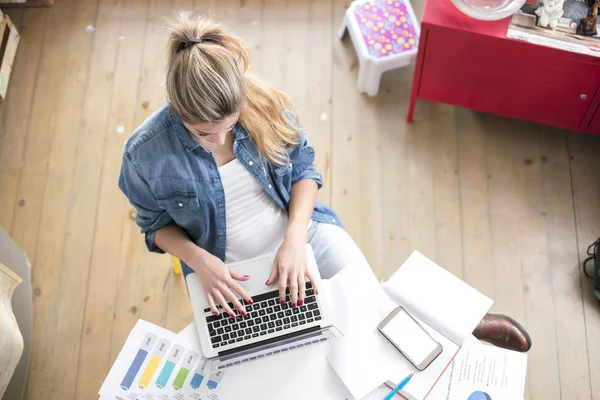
[{"x": 255, "y": 223}]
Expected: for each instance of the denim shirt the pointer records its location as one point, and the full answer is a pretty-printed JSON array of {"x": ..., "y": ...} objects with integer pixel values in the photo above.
[{"x": 171, "y": 179}]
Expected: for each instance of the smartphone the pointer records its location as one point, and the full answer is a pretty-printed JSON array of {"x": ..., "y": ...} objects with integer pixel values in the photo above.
[{"x": 405, "y": 333}]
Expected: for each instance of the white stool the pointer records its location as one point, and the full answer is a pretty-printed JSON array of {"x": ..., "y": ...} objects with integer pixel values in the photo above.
[{"x": 385, "y": 34}]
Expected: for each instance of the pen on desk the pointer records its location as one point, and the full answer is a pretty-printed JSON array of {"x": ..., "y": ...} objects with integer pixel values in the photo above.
[{"x": 399, "y": 387}]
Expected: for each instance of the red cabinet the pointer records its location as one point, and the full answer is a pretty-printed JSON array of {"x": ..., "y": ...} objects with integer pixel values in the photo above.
[{"x": 472, "y": 64}]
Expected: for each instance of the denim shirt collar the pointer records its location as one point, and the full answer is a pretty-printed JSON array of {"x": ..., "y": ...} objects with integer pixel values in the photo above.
[{"x": 189, "y": 142}]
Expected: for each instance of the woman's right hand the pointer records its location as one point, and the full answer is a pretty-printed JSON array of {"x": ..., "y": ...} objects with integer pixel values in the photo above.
[{"x": 220, "y": 284}]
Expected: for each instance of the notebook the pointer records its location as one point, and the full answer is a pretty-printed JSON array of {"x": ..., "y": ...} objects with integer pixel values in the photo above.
[{"x": 447, "y": 307}]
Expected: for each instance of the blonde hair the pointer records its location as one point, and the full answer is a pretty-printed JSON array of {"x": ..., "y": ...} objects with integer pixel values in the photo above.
[{"x": 207, "y": 81}]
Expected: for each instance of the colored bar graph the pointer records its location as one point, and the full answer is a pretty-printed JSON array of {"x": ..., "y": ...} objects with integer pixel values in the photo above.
[
  {"x": 189, "y": 361},
  {"x": 174, "y": 356},
  {"x": 157, "y": 357},
  {"x": 139, "y": 359},
  {"x": 180, "y": 378},
  {"x": 165, "y": 374},
  {"x": 149, "y": 371},
  {"x": 198, "y": 377},
  {"x": 214, "y": 379}
]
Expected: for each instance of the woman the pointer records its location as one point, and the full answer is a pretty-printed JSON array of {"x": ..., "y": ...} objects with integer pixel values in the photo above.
[{"x": 224, "y": 173}]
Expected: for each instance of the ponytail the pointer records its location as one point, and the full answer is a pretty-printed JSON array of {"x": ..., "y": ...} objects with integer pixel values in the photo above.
[{"x": 208, "y": 80}]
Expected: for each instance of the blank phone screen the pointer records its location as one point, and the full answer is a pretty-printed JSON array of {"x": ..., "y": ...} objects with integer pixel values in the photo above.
[{"x": 408, "y": 336}]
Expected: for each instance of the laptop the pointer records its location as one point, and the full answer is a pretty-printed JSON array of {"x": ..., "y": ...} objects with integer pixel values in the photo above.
[{"x": 268, "y": 329}]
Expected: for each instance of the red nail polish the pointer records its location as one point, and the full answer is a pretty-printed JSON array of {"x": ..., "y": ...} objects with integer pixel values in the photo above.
[
  {"x": 232, "y": 316},
  {"x": 300, "y": 302},
  {"x": 251, "y": 301},
  {"x": 282, "y": 302},
  {"x": 244, "y": 313},
  {"x": 246, "y": 276},
  {"x": 216, "y": 313},
  {"x": 316, "y": 292},
  {"x": 293, "y": 305}
]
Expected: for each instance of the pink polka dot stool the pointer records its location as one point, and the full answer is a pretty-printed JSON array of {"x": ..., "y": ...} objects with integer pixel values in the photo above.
[{"x": 385, "y": 34}]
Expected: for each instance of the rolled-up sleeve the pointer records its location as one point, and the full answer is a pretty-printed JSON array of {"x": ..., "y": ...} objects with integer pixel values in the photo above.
[
  {"x": 150, "y": 216},
  {"x": 302, "y": 158}
]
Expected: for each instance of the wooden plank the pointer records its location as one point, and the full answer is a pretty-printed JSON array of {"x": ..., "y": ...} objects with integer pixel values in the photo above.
[
  {"x": 504, "y": 202},
  {"x": 182, "y": 5},
  {"x": 419, "y": 178},
  {"x": 586, "y": 189},
  {"x": 317, "y": 104},
  {"x": 97, "y": 323},
  {"x": 544, "y": 375},
  {"x": 16, "y": 110},
  {"x": 44, "y": 245},
  {"x": 106, "y": 281},
  {"x": 345, "y": 139},
  {"x": 446, "y": 190},
  {"x": 474, "y": 202},
  {"x": 85, "y": 162},
  {"x": 522, "y": 281},
  {"x": 563, "y": 266},
  {"x": 118, "y": 226},
  {"x": 273, "y": 42},
  {"x": 250, "y": 30},
  {"x": 294, "y": 54},
  {"x": 50, "y": 321},
  {"x": 369, "y": 175},
  {"x": 394, "y": 140}
]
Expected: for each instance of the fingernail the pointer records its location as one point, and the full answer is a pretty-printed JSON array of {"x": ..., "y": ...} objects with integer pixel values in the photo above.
[
  {"x": 250, "y": 301},
  {"x": 232, "y": 315},
  {"x": 300, "y": 302},
  {"x": 216, "y": 313},
  {"x": 267, "y": 282},
  {"x": 293, "y": 305},
  {"x": 244, "y": 313},
  {"x": 246, "y": 276},
  {"x": 316, "y": 292},
  {"x": 282, "y": 302}
]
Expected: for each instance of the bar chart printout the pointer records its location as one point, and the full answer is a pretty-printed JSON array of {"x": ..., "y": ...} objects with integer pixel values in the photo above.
[
  {"x": 138, "y": 361},
  {"x": 198, "y": 377},
  {"x": 158, "y": 355},
  {"x": 157, "y": 364},
  {"x": 189, "y": 362},
  {"x": 175, "y": 355},
  {"x": 214, "y": 379}
]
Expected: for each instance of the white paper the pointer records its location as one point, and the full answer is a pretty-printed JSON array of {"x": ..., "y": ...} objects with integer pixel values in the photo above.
[
  {"x": 434, "y": 295},
  {"x": 299, "y": 374},
  {"x": 495, "y": 372},
  {"x": 363, "y": 358}
]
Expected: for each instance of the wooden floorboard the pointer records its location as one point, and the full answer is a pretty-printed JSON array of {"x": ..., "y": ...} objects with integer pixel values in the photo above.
[
  {"x": 15, "y": 113},
  {"x": 509, "y": 206},
  {"x": 586, "y": 195}
]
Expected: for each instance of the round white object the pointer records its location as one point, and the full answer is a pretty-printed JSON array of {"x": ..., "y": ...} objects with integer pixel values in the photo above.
[{"x": 488, "y": 10}]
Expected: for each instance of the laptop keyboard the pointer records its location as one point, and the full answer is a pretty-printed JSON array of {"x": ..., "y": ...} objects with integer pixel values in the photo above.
[{"x": 265, "y": 316}]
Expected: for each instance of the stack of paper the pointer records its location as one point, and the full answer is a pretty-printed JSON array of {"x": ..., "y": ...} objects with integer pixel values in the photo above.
[{"x": 446, "y": 307}]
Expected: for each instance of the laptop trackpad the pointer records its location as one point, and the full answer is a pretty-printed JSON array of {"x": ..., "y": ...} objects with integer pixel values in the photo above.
[{"x": 259, "y": 270}]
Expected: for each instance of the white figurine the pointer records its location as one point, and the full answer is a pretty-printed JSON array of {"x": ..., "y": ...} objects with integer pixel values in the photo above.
[{"x": 550, "y": 13}]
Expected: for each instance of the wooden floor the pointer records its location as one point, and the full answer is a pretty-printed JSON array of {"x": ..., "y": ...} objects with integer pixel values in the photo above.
[{"x": 510, "y": 206}]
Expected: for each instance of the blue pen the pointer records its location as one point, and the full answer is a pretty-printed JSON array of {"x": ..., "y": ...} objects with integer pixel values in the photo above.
[{"x": 399, "y": 387}]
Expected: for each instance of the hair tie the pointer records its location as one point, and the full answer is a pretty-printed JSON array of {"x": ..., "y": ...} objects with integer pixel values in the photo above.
[{"x": 188, "y": 43}]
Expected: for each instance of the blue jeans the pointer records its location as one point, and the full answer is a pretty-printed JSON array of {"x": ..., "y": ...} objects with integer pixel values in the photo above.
[{"x": 333, "y": 248}]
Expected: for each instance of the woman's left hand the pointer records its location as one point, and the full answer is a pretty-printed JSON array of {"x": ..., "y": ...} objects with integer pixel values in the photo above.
[{"x": 291, "y": 265}]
